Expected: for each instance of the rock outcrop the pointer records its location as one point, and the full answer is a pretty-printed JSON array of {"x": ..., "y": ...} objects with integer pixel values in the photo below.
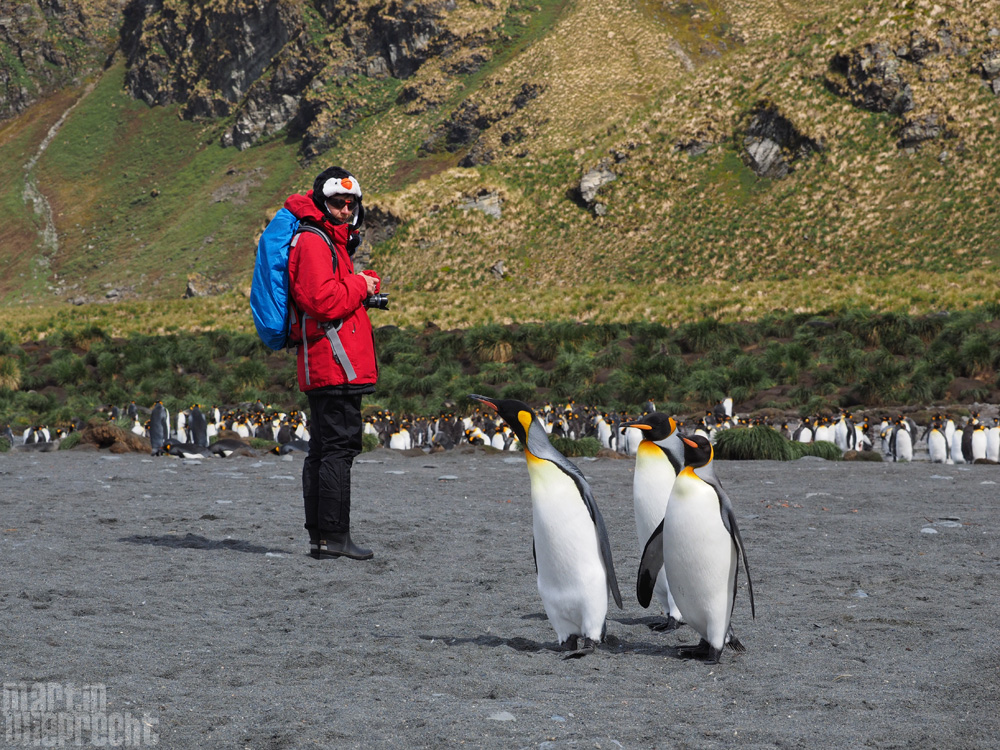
[
  {"x": 883, "y": 76},
  {"x": 272, "y": 68},
  {"x": 49, "y": 44},
  {"x": 773, "y": 144}
]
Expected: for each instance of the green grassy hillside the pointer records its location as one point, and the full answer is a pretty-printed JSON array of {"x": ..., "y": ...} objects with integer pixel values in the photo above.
[{"x": 664, "y": 93}]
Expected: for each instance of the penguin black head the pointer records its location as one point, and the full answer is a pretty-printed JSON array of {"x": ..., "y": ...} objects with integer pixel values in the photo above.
[
  {"x": 698, "y": 451},
  {"x": 515, "y": 413},
  {"x": 656, "y": 425}
]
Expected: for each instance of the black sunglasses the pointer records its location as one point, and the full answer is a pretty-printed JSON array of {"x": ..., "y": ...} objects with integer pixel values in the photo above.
[{"x": 341, "y": 202}]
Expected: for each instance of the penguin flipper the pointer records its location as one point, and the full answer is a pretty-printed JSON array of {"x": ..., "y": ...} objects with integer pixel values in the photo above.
[
  {"x": 729, "y": 521},
  {"x": 649, "y": 567},
  {"x": 605, "y": 545}
]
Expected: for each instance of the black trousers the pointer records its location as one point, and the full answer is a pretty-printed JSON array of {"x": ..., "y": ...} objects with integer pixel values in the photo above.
[{"x": 334, "y": 441}]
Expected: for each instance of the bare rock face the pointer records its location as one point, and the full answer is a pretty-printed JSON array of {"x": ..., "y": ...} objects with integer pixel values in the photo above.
[
  {"x": 773, "y": 144},
  {"x": 594, "y": 180},
  {"x": 262, "y": 62},
  {"x": 990, "y": 67},
  {"x": 206, "y": 55},
  {"x": 917, "y": 130},
  {"x": 49, "y": 44},
  {"x": 468, "y": 123},
  {"x": 876, "y": 78}
]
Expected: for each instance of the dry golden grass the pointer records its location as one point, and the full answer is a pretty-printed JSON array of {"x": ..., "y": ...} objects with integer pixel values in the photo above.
[{"x": 506, "y": 302}]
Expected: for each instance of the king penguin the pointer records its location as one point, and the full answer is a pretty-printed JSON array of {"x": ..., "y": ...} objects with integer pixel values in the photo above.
[
  {"x": 937, "y": 446},
  {"x": 159, "y": 428},
  {"x": 698, "y": 544},
  {"x": 571, "y": 548},
  {"x": 658, "y": 460}
]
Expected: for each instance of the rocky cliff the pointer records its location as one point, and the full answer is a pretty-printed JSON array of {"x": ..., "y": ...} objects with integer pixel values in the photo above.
[
  {"x": 271, "y": 66},
  {"x": 47, "y": 44}
]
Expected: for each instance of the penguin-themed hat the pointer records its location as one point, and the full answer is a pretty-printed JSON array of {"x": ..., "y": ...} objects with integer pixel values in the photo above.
[{"x": 336, "y": 181}]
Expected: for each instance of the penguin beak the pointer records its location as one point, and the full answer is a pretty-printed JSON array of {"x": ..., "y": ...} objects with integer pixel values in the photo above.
[
  {"x": 692, "y": 443},
  {"x": 483, "y": 400},
  {"x": 637, "y": 425}
]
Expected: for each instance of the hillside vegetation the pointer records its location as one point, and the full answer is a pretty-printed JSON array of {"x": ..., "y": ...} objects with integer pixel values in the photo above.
[
  {"x": 782, "y": 367},
  {"x": 880, "y": 190}
]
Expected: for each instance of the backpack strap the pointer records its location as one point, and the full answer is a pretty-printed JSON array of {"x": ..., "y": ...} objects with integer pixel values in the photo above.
[{"x": 330, "y": 327}]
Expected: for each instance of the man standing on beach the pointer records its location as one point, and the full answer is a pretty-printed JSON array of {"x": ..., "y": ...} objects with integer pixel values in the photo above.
[{"x": 336, "y": 352}]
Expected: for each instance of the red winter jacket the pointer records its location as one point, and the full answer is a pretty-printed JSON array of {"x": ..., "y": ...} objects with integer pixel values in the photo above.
[{"x": 323, "y": 292}]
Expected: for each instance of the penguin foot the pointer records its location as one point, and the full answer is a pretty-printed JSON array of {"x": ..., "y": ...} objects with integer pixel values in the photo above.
[
  {"x": 589, "y": 646},
  {"x": 735, "y": 644},
  {"x": 704, "y": 651},
  {"x": 671, "y": 623}
]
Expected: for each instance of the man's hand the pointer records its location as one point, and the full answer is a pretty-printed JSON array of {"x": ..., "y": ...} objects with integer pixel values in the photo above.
[{"x": 372, "y": 283}]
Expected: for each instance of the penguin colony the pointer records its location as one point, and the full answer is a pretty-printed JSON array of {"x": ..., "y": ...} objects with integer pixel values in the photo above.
[
  {"x": 947, "y": 439},
  {"x": 690, "y": 543}
]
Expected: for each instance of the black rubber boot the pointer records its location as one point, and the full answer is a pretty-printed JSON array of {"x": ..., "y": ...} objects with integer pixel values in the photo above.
[
  {"x": 340, "y": 545},
  {"x": 314, "y": 543}
]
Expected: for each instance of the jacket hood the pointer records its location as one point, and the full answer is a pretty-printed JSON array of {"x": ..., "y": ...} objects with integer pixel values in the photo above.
[{"x": 304, "y": 208}]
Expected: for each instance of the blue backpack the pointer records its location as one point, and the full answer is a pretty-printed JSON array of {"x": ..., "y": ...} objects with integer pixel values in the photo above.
[{"x": 269, "y": 299}]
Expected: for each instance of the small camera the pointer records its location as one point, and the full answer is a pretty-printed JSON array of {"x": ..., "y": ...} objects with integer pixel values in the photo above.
[{"x": 377, "y": 301}]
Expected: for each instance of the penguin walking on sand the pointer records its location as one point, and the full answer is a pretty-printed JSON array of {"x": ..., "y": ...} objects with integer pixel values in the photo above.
[
  {"x": 571, "y": 547},
  {"x": 659, "y": 459},
  {"x": 699, "y": 545}
]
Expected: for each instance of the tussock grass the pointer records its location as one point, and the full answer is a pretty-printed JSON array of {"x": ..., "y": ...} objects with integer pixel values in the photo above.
[
  {"x": 819, "y": 449},
  {"x": 584, "y": 447},
  {"x": 819, "y": 365},
  {"x": 753, "y": 444}
]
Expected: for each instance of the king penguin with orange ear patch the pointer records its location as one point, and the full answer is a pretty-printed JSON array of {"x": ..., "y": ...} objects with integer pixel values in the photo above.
[
  {"x": 658, "y": 460},
  {"x": 571, "y": 548},
  {"x": 698, "y": 545}
]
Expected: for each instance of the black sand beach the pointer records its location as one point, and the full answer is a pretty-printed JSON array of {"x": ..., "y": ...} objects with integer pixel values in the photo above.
[{"x": 183, "y": 589}]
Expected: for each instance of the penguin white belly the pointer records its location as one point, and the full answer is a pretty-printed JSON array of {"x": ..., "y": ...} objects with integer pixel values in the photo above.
[
  {"x": 956, "y": 448},
  {"x": 400, "y": 441},
  {"x": 654, "y": 478},
  {"x": 699, "y": 558},
  {"x": 632, "y": 439},
  {"x": 840, "y": 432},
  {"x": 604, "y": 434},
  {"x": 937, "y": 449},
  {"x": 571, "y": 577},
  {"x": 978, "y": 444},
  {"x": 823, "y": 434},
  {"x": 993, "y": 444},
  {"x": 904, "y": 446}
]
